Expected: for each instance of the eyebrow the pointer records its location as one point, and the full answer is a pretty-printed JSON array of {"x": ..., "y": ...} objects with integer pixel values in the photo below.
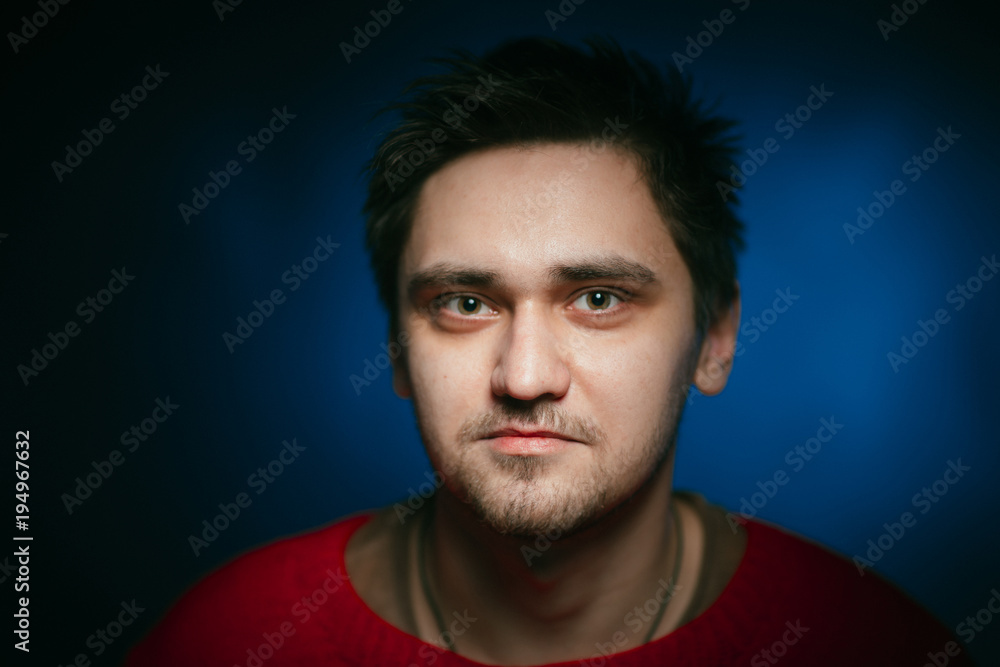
[
  {"x": 443, "y": 273},
  {"x": 613, "y": 267}
]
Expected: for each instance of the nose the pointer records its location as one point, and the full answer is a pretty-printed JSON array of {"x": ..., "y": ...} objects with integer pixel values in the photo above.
[{"x": 531, "y": 363}]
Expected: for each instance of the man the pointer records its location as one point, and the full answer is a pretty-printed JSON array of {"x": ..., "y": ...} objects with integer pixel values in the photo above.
[{"x": 559, "y": 270}]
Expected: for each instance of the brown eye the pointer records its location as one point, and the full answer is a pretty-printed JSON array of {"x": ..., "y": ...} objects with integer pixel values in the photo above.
[
  {"x": 466, "y": 305},
  {"x": 597, "y": 300}
]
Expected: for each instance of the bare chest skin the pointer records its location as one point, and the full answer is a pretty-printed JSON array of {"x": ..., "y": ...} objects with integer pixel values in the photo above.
[{"x": 381, "y": 560}]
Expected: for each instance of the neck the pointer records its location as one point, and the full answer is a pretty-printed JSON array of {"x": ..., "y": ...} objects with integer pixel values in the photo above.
[{"x": 559, "y": 597}]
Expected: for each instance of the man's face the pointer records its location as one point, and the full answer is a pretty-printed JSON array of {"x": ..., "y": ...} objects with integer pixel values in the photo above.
[{"x": 552, "y": 333}]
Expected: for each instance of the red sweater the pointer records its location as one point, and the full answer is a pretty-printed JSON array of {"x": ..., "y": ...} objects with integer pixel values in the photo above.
[{"x": 789, "y": 602}]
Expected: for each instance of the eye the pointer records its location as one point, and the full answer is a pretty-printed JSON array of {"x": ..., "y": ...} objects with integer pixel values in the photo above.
[
  {"x": 597, "y": 300},
  {"x": 465, "y": 305}
]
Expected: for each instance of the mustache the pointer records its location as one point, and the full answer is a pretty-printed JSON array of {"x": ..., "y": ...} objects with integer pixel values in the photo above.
[{"x": 531, "y": 416}]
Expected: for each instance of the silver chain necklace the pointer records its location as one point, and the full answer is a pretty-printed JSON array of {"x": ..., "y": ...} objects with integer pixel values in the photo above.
[{"x": 447, "y": 637}]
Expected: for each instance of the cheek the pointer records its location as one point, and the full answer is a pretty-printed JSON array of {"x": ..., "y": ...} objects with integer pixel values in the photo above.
[
  {"x": 447, "y": 381},
  {"x": 629, "y": 383}
]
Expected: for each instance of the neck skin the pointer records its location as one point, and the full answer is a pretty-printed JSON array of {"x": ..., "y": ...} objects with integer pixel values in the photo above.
[{"x": 578, "y": 591}]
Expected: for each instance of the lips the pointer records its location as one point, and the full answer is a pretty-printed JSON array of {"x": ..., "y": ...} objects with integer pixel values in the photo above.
[
  {"x": 528, "y": 442},
  {"x": 528, "y": 433}
]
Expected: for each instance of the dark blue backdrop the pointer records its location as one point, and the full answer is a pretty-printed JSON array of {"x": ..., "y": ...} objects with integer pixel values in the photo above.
[{"x": 860, "y": 290}]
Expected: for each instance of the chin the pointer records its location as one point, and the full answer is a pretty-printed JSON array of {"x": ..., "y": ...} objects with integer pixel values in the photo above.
[{"x": 528, "y": 508}]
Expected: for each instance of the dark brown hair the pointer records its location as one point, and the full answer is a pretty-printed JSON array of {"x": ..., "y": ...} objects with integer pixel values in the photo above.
[{"x": 532, "y": 91}]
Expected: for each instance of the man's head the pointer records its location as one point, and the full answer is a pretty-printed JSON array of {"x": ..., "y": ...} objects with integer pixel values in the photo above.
[{"x": 545, "y": 228}]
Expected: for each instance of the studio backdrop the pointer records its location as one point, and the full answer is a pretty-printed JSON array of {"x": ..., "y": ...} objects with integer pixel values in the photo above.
[{"x": 194, "y": 351}]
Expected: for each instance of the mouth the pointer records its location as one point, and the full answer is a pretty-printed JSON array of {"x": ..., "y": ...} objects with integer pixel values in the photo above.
[{"x": 528, "y": 442}]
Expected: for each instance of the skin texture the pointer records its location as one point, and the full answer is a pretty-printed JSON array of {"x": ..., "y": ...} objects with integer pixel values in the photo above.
[{"x": 541, "y": 290}]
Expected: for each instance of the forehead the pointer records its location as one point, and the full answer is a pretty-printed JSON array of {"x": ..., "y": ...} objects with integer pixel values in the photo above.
[{"x": 521, "y": 210}]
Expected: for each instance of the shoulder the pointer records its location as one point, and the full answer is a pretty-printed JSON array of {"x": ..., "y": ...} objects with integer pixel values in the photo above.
[
  {"x": 789, "y": 590},
  {"x": 797, "y": 566},
  {"x": 271, "y": 591}
]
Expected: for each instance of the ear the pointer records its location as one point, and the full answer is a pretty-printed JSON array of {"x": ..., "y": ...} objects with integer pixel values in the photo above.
[
  {"x": 718, "y": 349},
  {"x": 401, "y": 376}
]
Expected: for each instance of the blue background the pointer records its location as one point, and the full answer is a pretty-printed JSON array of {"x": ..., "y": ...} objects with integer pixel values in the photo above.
[{"x": 826, "y": 357}]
